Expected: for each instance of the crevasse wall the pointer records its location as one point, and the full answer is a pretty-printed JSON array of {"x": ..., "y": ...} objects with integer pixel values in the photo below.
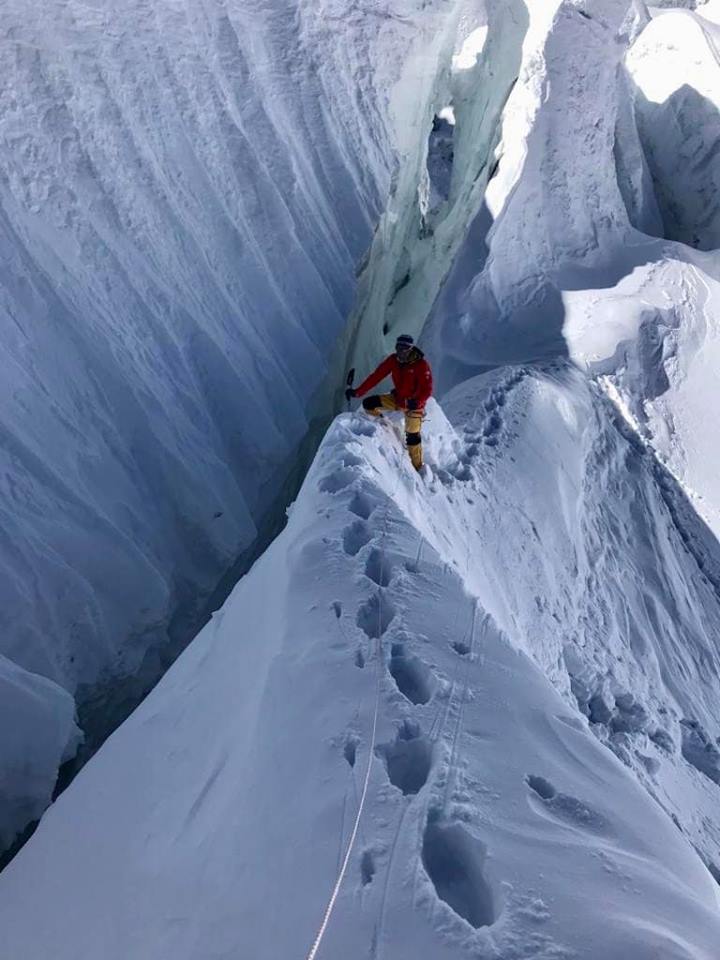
[
  {"x": 185, "y": 195},
  {"x": 420, "y": 234}
]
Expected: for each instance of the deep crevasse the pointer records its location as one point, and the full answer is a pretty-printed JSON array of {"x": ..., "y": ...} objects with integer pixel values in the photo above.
[
  {"x": 185, "y": 198},
  {"x": 179, "y": 254},
  {"x": 552, "y": 586}
]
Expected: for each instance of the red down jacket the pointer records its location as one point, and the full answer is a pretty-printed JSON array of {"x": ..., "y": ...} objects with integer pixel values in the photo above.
[{"x": 412, "y": 380}]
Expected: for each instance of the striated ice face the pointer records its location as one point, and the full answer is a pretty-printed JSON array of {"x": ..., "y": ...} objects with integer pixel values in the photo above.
[{"x": 186, "y": 193}]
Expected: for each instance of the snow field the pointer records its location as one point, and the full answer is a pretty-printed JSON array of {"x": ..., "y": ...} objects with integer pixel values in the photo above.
[{"x": 496, "y": 823}]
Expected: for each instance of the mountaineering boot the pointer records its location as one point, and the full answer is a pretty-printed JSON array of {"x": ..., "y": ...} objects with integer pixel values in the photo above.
[{"x": 415, "y": 450}]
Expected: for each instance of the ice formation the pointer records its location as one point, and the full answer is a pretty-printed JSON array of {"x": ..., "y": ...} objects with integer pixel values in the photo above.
[{"x": 511, "y": 664}]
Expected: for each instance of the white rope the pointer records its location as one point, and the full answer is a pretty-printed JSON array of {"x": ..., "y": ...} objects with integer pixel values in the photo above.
[
  {"x": 378, "y": 665},
  {"x": 348, "y": 853}
]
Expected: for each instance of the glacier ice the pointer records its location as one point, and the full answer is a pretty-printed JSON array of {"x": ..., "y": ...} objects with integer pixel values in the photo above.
[
  {"x": 536, "y": 618},
  {"x": 37, "y": 732},
  {"x": 185, "y": 198}
]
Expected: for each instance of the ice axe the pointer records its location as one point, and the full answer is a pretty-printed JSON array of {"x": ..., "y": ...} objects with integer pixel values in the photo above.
[{"x": 349, "y": 381}]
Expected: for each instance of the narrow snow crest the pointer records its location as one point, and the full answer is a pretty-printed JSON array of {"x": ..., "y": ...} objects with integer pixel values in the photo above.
[{"x": 496, "y": 817}]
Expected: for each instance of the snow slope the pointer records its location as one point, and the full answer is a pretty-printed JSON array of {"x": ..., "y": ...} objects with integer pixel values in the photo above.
[
  {"x": 501, "y": 612},
  {"x": 185, "y": 195}
]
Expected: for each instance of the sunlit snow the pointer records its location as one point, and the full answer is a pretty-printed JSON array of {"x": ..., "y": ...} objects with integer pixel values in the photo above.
[{"x": 471, "y": 49}]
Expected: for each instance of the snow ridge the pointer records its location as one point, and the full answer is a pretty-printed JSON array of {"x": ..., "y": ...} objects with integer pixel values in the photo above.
[{"x": 490, "y": 792}]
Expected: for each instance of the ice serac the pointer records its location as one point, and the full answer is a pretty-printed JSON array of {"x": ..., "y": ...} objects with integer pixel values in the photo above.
[
  {"x": 37, "y": 732},
  {"x": 185, "y": 195},
  {"x": 452, "y": 133},
  {"x": 599, "y": 178},
  {"x": 554, "y": 200},
  {"x": 674, "y": 67},
  {"x": 495, "y": 642}
]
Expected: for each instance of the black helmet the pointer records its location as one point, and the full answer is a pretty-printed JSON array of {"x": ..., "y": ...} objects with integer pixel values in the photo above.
[{"x": 404, "y": 344}]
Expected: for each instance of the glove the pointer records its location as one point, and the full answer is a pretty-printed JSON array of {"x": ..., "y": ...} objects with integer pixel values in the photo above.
[
  {"x": 412, "y": 404},
  {"x": 350, "y": 393}
]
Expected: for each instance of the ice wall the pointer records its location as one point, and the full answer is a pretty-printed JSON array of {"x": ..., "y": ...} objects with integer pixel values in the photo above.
[
  {"x": 439, "y": 196},
  {"x": 185, "y": 196},
  {"x": 554, "y": 200},
  {"x": 37, "y": 733}
]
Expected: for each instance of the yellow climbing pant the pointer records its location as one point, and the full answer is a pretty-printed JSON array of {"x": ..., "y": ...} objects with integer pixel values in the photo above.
[{"x": 413, "y": 422}]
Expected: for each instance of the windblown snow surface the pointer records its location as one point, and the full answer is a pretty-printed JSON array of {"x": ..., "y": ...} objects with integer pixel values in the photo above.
[
  {"x": 518, "y": 649},
  {"x": 497, "y": 613}
]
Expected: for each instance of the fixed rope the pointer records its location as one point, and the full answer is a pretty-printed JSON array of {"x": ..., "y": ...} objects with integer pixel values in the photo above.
[
  {"x": 366, "y": 781},
  {"x": 351, "y": 842}
]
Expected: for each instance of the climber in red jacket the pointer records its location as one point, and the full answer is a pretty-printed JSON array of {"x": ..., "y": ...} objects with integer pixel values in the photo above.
[{"x": 412, "y": 381}]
